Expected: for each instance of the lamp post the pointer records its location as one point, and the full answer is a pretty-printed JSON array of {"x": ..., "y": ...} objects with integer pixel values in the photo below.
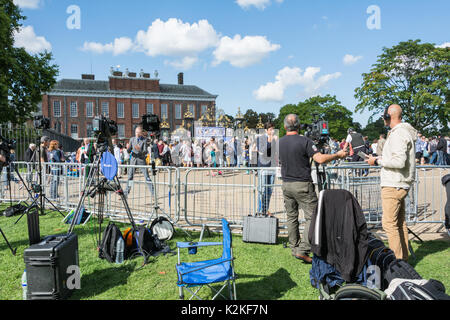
[
  {"x": 189, "y": 122},
  {"x": 165, "y": 129},
  {"x": 239, "y": 120}
]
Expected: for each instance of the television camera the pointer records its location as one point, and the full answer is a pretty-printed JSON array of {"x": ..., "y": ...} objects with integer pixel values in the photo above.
[
  {"x": 318, "y": 131},
  {"x": 103, "y": 129},
  {"x": 6, "y": 145},
  {"x": 40, "y": 122},
  {"x": 151, "y": 124}
]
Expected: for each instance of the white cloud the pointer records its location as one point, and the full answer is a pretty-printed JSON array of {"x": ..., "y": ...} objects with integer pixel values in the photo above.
[
  {"x": 288, "y": 77},
  {"x": 175, "y": 38},
  {"x": 119, "y": 46},
  {"x": 260, "y": 4},
  {"x": 27, "y": 4},
  {"x": 185, "y": 63},
  {"x": 26, "y": 38},
  {"x": 243, "y": 52},
  {"x": 444, "y": 45},
  {"x": 349, "y": 59}
]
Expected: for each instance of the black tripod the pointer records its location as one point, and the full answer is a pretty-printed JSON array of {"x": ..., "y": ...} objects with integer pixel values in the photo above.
[
  {"x": 13, "y": 251},
  {"x": 96, "y": 185},
  {"x": 38, "y": 204}
]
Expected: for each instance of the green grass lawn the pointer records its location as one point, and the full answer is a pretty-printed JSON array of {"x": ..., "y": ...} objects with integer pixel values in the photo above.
[{"x": 266, "y": 272}]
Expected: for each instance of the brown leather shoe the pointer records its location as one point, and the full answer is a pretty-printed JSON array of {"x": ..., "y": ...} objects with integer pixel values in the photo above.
[{"x": 304, "y": 258}]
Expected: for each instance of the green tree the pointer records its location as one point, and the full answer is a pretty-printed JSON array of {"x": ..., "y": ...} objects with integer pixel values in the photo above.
[
  {"x": 328, "y": 107},
  {"x": 373, "y": 129},
  {"x": 414, "y": 75},
  {"x": 23, "y": 77}
]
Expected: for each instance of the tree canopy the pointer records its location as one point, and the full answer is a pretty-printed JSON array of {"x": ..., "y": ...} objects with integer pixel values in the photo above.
[
  {"x": 414, "y": 75},
  {"x": 23, "y": 77},
  {"x": 327, "y": 107}
]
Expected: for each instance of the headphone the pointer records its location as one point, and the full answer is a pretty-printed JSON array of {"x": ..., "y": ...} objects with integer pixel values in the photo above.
[{"x": 386, "y": 115}]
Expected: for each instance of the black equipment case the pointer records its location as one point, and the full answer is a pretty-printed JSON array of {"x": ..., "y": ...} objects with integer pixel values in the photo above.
[
  {"x": 260, "y": 229},
  {"x": 47, "y": 265}
]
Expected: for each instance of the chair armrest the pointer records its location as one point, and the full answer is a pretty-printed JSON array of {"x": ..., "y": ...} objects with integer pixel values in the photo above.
[
  {"x": 194, "y": 269},
  {"x": 197, "y": 244}
]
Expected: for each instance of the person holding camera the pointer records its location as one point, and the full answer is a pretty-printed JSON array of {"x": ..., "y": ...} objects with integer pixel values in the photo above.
[
  {"x": 397, "y": 175},
  {"x": 298, "y": 188},
  {"x": 138, "y": 149}
]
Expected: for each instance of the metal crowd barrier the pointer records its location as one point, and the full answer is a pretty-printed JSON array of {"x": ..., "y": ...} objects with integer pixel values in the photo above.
[{"x": 202, "y": 196}]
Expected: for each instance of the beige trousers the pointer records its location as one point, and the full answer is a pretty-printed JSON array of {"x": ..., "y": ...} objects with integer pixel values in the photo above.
[{"x": 394, "y": 220}]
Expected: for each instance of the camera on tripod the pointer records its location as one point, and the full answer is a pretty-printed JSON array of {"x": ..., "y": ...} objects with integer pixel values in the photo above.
[
  {"x": 6, "y": 145},
  {"x": 40, "y": 122},
  {"x": 151, "y": 124},
  {"x": 318, "y": 131},
  {"x": 103, "y": 129}
]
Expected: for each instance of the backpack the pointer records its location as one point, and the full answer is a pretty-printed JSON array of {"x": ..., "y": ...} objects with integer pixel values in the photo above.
[
  {"x": 399, "y": 269},
  {"x": 107, "y": 249},
  {"x": 14, "y": 210},
  {"x": 142, "y": 242},
  {"x": 405, "y": 289}
]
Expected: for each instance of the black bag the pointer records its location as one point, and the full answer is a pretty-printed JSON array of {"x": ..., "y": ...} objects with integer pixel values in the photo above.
[
  {"x": 144, "y": 243},
  {"x": 399, "y": 269},
  {"x": 107, "y": 249},
  {"x": 402, "y": 289},
  {"x": 14, "y": 210}
]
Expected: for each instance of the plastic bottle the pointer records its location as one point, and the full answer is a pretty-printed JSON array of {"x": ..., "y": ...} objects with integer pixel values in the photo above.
[
  {"x": 119, "y": 250},
  {"x": 24, "y": 285}
]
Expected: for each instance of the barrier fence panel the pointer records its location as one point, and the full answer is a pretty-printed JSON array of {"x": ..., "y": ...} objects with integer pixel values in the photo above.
[
  {"x": 202, "y": 196},
  {"x": 212, "y": 193}
]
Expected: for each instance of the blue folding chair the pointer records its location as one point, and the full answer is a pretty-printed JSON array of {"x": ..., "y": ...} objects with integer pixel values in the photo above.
[{"x": 204, "y": 273}]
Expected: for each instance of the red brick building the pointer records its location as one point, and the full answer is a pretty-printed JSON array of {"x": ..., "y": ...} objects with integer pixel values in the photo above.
[{"x": 73, "y": 103}]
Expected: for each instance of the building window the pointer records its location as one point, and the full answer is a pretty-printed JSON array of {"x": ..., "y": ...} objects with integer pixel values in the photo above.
[
  {"x": 178, "y": 111},
  {"x": 135, "y": 110},
  {"x": 89, "y": 109},
  {"x": 89, "y": 131},
  {"x": 74, "y": 131},
  {"x": 120, "y": 110},
  {"x": 121, "y": 131},
  {"x": 204, "y": 110},
  {"x": 149, "y": 108},
  {"x": 73, "y": 109},
  {"x": 164, "y": 113},
  {"x": 191, "y": 108},
  {"x": 57, "y": 109},
  {"x": 105, "y": 109}
]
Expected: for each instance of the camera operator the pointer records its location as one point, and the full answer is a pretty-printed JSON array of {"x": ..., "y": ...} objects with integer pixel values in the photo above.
[
  {"x": 298, "y": 188},
  {"x": 138, "y": 149},
  {"x": 398, "y": 170}
]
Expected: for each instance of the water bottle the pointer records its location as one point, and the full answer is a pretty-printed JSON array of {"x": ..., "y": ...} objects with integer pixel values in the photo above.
[
  {"x": 120, "y": 244},
  {"x": 24, "y": 285}
]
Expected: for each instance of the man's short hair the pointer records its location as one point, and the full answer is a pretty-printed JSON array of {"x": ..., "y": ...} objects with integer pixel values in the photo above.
[
  {"x": 45, "y": 139},
  {"x": 291, "y": 122}
]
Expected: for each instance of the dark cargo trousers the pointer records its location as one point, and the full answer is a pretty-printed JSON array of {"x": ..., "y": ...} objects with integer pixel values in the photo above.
[{"x": 299, "y": 195}]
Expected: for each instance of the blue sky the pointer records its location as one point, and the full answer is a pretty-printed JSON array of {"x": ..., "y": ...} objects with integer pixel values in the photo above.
[{"x": 258, "y": 54}]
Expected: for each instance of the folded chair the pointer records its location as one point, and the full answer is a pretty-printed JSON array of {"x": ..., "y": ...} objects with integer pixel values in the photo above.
[{"x": 205, "y": 273}]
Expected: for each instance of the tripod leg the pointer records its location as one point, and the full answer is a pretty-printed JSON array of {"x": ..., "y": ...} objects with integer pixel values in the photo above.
[{"x": 13, "y": 251}]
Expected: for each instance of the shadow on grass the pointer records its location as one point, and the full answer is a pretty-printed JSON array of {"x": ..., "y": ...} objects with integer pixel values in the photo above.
[
  {"x": 271, "y": 287},
  {"x": 426, "y": 248},
  {"x": 101, "y": 280}
]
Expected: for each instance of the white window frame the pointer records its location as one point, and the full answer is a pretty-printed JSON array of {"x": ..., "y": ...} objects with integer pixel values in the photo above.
[
  {"x": 204, "y": 109},
  {"x": 164, "y": 111},
  {"x": 73, "y": 134},
  {"x": 57, "y": 106},
  {"x": 105, "y": 106},
  {"x": 178, "y": 111},
  {"x": 120, "y": 134},
  {"x": 73, "y": 109},
  {"x": 150, "y": 108},
  {"x": 191, "y": 108},
  {"x": 89, "y": 107},
  {"x": 120, "y": 115},
  {"x": 135, "y": 110}
]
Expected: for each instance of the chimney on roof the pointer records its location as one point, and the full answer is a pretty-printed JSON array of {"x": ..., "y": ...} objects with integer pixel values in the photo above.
[
  {"x": 181, "y": 78},
  {"x": 88, "y": 77}
]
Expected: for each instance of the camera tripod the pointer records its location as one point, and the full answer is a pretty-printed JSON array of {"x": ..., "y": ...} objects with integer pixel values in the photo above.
[
  {"x": 97, "y": 185},
  {"x": 38, "y": 203},
  {"x": 13, "y": 251}
]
